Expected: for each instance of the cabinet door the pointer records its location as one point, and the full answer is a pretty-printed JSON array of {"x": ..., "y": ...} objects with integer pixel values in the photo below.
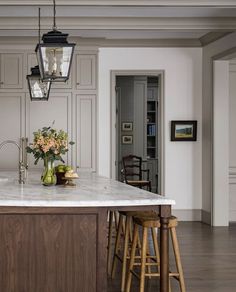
[
  {"x": 41, "y": 114},
  {"x": 86, "y": 137},
  {"x": 11, "y": 71},
  {"x": 86, "y": 72},
  {"x": 12, "y": 123}
]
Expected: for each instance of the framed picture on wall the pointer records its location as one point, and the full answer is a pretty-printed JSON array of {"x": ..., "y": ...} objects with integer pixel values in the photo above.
[
  {"x": 127, "y": 126},
  {"x": 127, "y": 139},
  {"x": 183, "y": 130}
]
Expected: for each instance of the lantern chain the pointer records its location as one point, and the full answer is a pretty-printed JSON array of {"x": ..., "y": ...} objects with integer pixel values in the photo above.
[{"x": 54, "y": 15}]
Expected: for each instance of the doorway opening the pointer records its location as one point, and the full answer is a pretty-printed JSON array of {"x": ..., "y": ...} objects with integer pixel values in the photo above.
[{"x": 137, "y": 113}]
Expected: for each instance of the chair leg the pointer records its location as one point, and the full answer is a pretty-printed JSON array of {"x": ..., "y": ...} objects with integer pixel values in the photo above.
[
  {"x": 125, "y": 253},
  {"x": 150, "y": 187},
  {"x": 117, "y": 246},
  {"x": 132, "y": 258},
  {"x": 177, "y": 259},
  {"x": 143, "y": 259},
  {"x": 109, "y": 252}
]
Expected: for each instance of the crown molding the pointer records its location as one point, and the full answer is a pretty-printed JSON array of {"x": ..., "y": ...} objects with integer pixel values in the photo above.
[
  {"x": 210, "y": 3},
  {"x": 212, "y": 37},
  {"x": 137, "y": 23},
  {"x": 31, "y": 42},
  {"x": 150, "y": 43}
]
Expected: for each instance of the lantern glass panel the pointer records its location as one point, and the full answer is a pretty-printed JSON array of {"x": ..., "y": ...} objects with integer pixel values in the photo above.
[
  {"x": 56, "y": 62},
  {"x": 39, "y": 89}
]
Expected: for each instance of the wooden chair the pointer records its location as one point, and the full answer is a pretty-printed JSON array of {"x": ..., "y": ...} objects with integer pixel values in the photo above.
[{"x": 133, "y": 172}]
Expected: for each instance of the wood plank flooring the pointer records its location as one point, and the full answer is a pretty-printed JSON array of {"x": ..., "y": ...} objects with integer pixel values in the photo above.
[{"x": 208, "y": 256}]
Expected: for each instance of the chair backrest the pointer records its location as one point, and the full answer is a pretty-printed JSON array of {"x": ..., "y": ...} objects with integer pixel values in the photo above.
[{"x": 132, "y": 167}]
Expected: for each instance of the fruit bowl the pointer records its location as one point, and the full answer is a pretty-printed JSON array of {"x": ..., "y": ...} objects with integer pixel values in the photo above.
[{"x": 60, "y": 171}]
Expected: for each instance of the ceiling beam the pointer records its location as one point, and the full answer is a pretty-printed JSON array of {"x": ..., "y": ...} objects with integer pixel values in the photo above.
[
  {"x": 102, "y": 42},
  {"x": 188, "y": 3},
  {"x": 124, "y": 23}
]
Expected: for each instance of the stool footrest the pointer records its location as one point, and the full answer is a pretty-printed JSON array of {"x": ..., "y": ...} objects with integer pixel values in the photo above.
[{"x": 152, "y": 274}]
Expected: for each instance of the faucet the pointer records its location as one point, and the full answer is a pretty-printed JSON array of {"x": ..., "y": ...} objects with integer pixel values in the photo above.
[{"x": 23, "y": 165}]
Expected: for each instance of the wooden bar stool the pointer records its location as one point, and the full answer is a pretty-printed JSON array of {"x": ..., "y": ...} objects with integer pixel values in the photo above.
[
  {"x": 123, "y": 255},
  {"x": 152, "y": 223}
]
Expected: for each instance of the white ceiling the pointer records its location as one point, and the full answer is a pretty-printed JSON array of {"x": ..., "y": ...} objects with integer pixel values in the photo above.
[{"x": 187, "y": 20}]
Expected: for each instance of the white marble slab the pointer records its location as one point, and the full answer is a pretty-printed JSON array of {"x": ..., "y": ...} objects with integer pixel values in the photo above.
[{"x": 91, "y": 191}]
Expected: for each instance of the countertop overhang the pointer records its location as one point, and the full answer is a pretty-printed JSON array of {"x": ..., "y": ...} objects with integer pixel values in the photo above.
[{"x": 91, "y": 191}]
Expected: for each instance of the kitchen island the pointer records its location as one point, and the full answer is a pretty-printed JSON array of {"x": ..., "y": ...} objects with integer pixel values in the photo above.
[{"x": 54, "y": 239}]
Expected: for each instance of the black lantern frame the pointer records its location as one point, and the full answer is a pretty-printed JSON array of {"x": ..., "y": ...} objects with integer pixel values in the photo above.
[
  {"x": 39, "y": 90},
  {"x": 55, "y": 54}
]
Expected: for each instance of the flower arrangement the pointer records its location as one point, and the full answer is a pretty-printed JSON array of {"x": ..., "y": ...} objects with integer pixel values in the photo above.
[{"x": 49, "y": 144}]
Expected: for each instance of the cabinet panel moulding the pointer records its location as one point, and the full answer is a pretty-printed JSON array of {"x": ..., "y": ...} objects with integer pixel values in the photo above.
[
  {"x": 59, "y": 109},
  {"x": 12, "y": 126},
  {"x": 86, "y": 131}
]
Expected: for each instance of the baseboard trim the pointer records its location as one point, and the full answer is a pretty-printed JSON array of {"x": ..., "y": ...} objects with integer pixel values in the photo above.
[
  {"x": 188, "y": 215},
  {"x": 232, "y": 216},
  {"x": 206, "y": 217}
]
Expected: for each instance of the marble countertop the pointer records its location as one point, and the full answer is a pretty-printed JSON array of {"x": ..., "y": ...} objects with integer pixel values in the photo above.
[{"x": 91, "y": 191}]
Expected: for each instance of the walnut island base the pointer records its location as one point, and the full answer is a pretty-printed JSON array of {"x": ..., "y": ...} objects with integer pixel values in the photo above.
[{"x": 55, "y": 239}]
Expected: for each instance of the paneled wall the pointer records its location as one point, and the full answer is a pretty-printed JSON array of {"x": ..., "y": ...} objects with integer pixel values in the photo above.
[{"x": 72, "y": 105}]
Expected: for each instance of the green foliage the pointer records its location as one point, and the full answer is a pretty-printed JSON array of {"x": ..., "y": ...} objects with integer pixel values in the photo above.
[{"x": 49, "y": 143}]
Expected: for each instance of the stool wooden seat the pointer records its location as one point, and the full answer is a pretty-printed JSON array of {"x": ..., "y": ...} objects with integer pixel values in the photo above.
[
  {"x": 118, "y": 254},
  {"x": 147, "y": 223}
]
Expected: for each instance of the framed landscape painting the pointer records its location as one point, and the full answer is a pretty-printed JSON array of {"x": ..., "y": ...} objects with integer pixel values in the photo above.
[{"x": 183, "y": 130}]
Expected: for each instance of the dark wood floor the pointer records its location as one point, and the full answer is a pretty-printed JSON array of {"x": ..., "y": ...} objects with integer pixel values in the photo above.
[{"x": 208, "y": 256}]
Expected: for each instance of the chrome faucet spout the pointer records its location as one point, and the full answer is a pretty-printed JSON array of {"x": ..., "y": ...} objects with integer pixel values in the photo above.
[{"x": 22, "y": 157}]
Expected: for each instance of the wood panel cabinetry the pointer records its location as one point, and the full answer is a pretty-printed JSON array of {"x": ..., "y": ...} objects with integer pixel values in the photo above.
[
  {"x": 12, "y": 114},
  {"x": 86, "y": 132},
  {"x": 11, "y": 71},
  {"x": 48, "y": 249},
  {"x": 72, "y": 105}
]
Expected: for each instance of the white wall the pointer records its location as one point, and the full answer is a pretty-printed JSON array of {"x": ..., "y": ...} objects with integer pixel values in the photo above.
[{"x": 183, "y": 100}]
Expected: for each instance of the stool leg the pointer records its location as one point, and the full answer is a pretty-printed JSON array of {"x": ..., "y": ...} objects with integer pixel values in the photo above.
[
  {"x": 117, "y": 246},
  {"x": 125, "y": 253},
  {"x": 156, "y": 248},
  {"x": 116, "y": 215},
  {"x": 148, "y": 259},
  {"x": 132, "y": 258},
  {"x": 109, "y": 252},
  {"x": 143, "y": 259},
  {"x": 177, "y": 259}
]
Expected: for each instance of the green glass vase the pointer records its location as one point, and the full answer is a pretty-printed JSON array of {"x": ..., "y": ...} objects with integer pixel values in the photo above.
[{"x": 48, "y": 177}]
